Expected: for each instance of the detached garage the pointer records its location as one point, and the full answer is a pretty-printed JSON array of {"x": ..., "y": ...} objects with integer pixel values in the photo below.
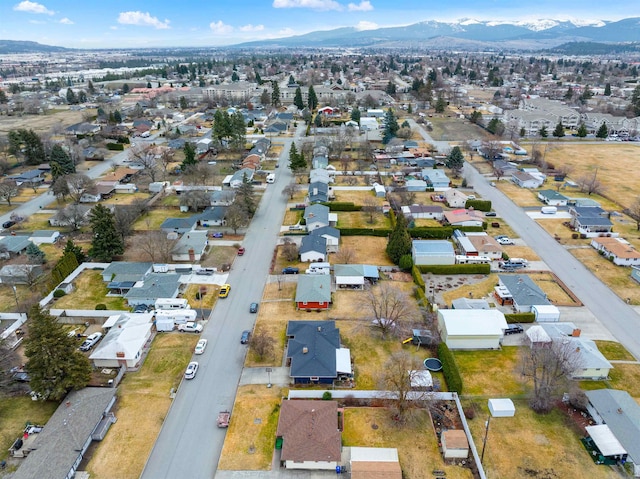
[
  {"x": 426, "y": 252},
  {"x": 546, "y": 313},
  {"x": 471, "y": 328}
]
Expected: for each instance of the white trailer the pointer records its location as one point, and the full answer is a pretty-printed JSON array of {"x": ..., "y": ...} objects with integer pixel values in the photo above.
[
  {"x": 180, "y": 316},
  {"x": 549, "y": 210},
  {"x": 172, "y": 303}
]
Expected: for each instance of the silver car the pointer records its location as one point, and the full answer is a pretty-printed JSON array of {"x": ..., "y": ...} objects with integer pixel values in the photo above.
[{"x": 191, "y": 371}]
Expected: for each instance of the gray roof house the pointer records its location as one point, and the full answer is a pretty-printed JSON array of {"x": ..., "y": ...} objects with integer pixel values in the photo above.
[
  {"x": 238, "y": 177},
  {"x": 312, "y": 351},
  {"x": 179, "y": 225},
  {"x": 190, "y": 247},
  {"x": 621, "y": 413},
  {"x": 83, "y": 416},
  {"x": 321, "y": 175},
  {"x": 313, "y": 248},
  {"x": 28, "y": 177},
  {"x": 154, "y": 286},
  {"x": 320, "y": 161},
  {"x": 213, "y": 216},
  {"x": 126, "y": 271},
  {"x": 313, "y": 291},
  {"x": 523, "y": 292},
  {"x": 316, "y": 216},
  {"x": 552, "y": 198},
  {"x": 14, "y": 245},
  {"x": 222, "y": 197},
  {"x": 318, "y": 192},
  {"x": 44, "y": 236},
  {"x": 20, "y": 273},
  {"x": 590, "y": 219},
  {"x": 332, "y": 235}
]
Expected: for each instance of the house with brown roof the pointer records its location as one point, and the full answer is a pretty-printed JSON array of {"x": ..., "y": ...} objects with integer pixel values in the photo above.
[
  {"x": 464, "y": 217},
  {"x": 618, "y": 250},
  {"x": 309, "y": 434},
  {"x": 375, "y": 463}
]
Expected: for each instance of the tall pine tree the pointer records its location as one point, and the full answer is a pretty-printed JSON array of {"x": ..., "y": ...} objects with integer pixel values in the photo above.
[
  {"x": 312, "y": 99},
  {"x": 297, "y": 99},
  {"x": 106, "y": 242},
  {"x": 399, "y": 241}
]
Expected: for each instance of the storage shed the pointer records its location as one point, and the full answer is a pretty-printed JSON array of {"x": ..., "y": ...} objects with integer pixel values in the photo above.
[
  {"x": 454, "y": 444},
  {"x": 471, "y": 328},
  {"x": 502, "y": 407},
  {"x": 546, "y": 313},
  {"x": 426, "y": 252}
]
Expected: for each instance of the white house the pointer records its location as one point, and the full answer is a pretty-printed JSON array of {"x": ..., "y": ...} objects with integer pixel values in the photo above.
[
  {"x": 433, "y": 212},
  {"x": 618, "y": 250},
  {"x": 124, "y": 342},
  {"x": 526, "y": 180},
  {"x": 44, "y": 237},
  {"x": 471, "y": 328},
  {"x": 455, "y": 198}
]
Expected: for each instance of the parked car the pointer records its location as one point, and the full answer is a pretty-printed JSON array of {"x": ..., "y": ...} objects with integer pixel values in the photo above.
[
  {"x": 21, "y": 377},
  {"x": 492, "y": 184},
  {"x": 201, "y": 346},
  {"x": 141, "y": 308},
  {"x": 190, "y": 327},
  {"x": 8, "y": 224},
  {"x": 505, "y": 241},
  {"x": 253, "y": 308},
  {"x": 217, "y": 234},
  {"x": 90, "y": 342},
  {"x": 191, "y": 371},
  {"x": 224, "y": 291},
  {"x": 290, "y": 270},
  {"x": 491, "y": 213},
  {"x": 244, "y": 339},
  {"x": 513, "y": 329},
  {"x": 241, "y": 251},
  {"x": 205, "y": 271}
]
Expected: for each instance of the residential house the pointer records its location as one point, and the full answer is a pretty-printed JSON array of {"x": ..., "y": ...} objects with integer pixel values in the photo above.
[
  {"x": 318, "y": 192},
  {"x": 14, "y": 245},
  {"x": 455, "y": 198},
  {"x": 432, "y": 212},
  {"x": 82, "y": 129},
  {"x": 621, "y": 414},
  {"x": 464, "y": 217},
  {"x": 374, "y": 463},
  {"x": 20, "y": 273},
  {"x": 590, "y": 220},
  {"x": 213, "y": 216},
  {"x": 427, "y": 252},
  {"x": 320, "y": 175},
  {"x": 469, "y": 303},
  {"x": 313, "y": 291},
  {"x": 379, "y": 190},
  {"x": 313, "y": 248},
  {"x": 125, "y": 341},
  {"x": 436, "y": 179},
  {"x": 28, "y": 178},
  {"x": 317, "y": 216},
  {"x": 331, "y": 235},
  {"x": 519, "y": 290},
  {"x": 355, "y": 276},
  {"x": 314, "y": 354},
  {"x": 58, "y": 220},
  {"x": 525, "y": 180},
  {"x": 39, "y": 237},
  {"x": 179, "y": 225},
  {"x": 416, "y": 185},
  {"x": 309, "y": 433},
  {"x": 471, "y": 328},
  {"x": 618, "y": 250},
  {"x": 240, "y": 176},
  {"x": 320, "y": 162},
  {"x": 90, "y": 197},
  {"x": 552, "y": 198},
  {"x": 57, "y": 451},
  {"x": 190, "y": 247},
  {"x": 222, "y": 197},
  {"x": 129, "y": 271},
  {"x": 152, "y": 287},
  {"x": 478, "y": 244}
]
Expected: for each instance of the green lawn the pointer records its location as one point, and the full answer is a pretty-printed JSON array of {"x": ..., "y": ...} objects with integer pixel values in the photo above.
[
  {"x": 89, "y": 290},
  {"x": 358, "y": 219},
  {"x": 155, "y": 217},
  {"x": 490, "y": 373},
  {"x": 612, "y": 350}
]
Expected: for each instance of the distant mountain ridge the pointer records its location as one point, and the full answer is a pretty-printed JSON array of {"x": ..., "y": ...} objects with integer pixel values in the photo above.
[
  {"x": 468, "y": 33},
  {"x": 16, "y": 46}
]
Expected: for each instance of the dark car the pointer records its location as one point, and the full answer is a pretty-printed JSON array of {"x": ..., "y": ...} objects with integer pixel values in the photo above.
[
  {"x": 244, "y": 339},
  {"x": 8, "y": 224},
  {"x": 491, "y": 213},
  {"x": 513, "y": 329},
  {"x": 253, "y": 308},
  {"x": 217, "y": 235},
  {"x": 21, "y": 377},
  {"x": 290, "y": 270}
]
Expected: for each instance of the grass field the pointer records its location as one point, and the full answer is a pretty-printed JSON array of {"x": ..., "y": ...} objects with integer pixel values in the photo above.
[
  {"x": 154, "y": 218},
  {"x": 360, "y": 219},
  {"x": 614, "y": 351},
  {"x": 357, "y": 197},
  {"x": 208, "y": 298},
  {"x": 41, "y": 123},
  {"x": 490, "y": 373},
  {"x": 89, "y": 290},
  {"x": 367, "y": 249},
  {"x": 454, "y": 129}
]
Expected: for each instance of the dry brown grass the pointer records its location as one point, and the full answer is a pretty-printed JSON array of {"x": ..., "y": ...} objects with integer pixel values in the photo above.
[
  {"x": 367, "y": 249},
  {"x": 125, "y": 198},
  {"x": 427, "y": 223},
  {"x": 292, "y": 217},
  {"x": 555, "y": 293},
  {"x": 250, "y": 439},
  {"x": 154, "y": 218},
  {"x": 273, "y": 291},
  {"x": 520, "y": 196},
  {"x": 626, "y": 377},
  {"x": 208, "y": 298},
  {"x": 476, "y": 290},
  {"x": 557, "y": 229},
  {"x": 491, "y": 373},
  {"x": 143, "y": 402},
  {"x": 37, "y": 221},
  {"x": 525, "y": 252},
  {"x": 452, "y": 128},
  {"x": 360, "y": 219},
  {"x": 416, "y": 441},
  {"x": 357, "y": 197},
  {"x": 42, "y": 123},
  {"x": 534, "y": 445}
]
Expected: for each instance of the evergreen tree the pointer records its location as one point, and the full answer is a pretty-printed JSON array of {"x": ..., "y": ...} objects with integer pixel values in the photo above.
[
  {"x": 409, "y": 109},
  {"x": 356, "y": 114},
  {"x": 569, "y": 94},
  {"x": 75, "y": 250},
  {"x": 441, "y": 103},
  {"x": 3, "y": 97},
  {"x": 54, "y": 363},
  {"x": 476, "y": 117},
  {"x": 543, "y": 132},
  {"x": 125, "y": 88},
  {"x": 117, "y": 117},
  {"x": 189, "y": 156},
  {"x": 312, "y": 99},
  {"x": 607, "y": 89},
  {"x": 391, "y": 126},
  {"x": 399, "y": 241},
  {"x": 222, "y": 129},
  {"x": 238, "y": 130},
  {"x": 495, "y": 126},
  {"x": 90, "y": 88},
  {"x": 27, "y": 144},
  {"x": 71, "y": 97},
  {"x": 246, "y": 197},
  {"x": 297, "y": 162},
  {"x": 603, "y": 131},
  {"x": 559, "y": 130},
  {"x": 635, "y": 100},
  {"x": 582, "y": 131},
  {"x": 275, "y": 93},
  {"x": 297, "y": 100},
  {"x": 258, "y": 78},
  {"x": 61, "y": 158},
  {"x": 106, "y": 242},
  {"x": 35, "y": 254},
  {"x": 523, "y": 132},
  {"x": 455, "y": 160}
]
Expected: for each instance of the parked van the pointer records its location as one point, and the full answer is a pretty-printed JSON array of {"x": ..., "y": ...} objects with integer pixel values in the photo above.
[
  {"x": 271, "y": 178},
  {"x": 549, "y": 210},
  {"x": 145, "y": 134}
]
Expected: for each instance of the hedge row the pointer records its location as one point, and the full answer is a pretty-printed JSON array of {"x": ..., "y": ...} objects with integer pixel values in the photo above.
[
  {"x": 431, "y": 232},
  {"x": 520, "y": 318},
  {"x": 480, "y": 205},
  {"x": 450, "y": 369},
  {"x": 455, "y": 268},
  {"x": 342, "y": 206},
  {"x": 417, "y": 277},
  {"x": 421, "y": 297},
  {"x": 392, "y": 218},
  {"x": 365, "y": 232},
  {"x": 63, "y": 268},
  {"x": 115, "y": 146}
]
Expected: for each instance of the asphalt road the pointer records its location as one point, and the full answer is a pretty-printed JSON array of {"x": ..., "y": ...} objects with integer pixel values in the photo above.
[
  {"x": 618, "y": 317},
  {"x": 189, "y": 443}
]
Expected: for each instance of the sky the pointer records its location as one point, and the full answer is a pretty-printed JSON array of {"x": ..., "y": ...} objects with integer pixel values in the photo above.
[{"x": 165, "y": 23}]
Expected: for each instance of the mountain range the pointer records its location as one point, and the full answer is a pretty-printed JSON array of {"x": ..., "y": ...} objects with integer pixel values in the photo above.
[{"x": 468, "y": 34}]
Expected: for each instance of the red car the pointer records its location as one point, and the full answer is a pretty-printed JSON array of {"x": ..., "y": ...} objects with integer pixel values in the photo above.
[{"x": 241, "y": 251}]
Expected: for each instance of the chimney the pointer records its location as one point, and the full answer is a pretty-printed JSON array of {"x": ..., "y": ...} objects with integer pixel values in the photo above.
[
  {"x": 319, "y": 329},
  {"x": 305, "y": 350},
  {"x": 576, "y": 333}
]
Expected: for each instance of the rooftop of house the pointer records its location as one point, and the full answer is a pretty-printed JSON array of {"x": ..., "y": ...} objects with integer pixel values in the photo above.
[
  {"x": 313, "y": 288},
  {"x": 523, "y": 290}
]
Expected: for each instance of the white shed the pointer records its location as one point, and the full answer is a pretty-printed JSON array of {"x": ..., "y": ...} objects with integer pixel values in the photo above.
[
  {"x": 502, "y": 407},
  {"x": 546, "y": 313},
  {"x": 454, "y": 444},
  {"x": 379, "y": 190},
  {"x": 471, "y": 328}
]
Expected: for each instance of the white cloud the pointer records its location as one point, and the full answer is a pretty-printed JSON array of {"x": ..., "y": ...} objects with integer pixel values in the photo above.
[
  {"x": 219, "y": 28},
  {"x": 252, "y": 28},
  {"x": 363, "y": 25},
  {"x": 363, "y": 6},
  {"x": 143, "y": 19},
  {"x": 313, "y": 4},
  {"x": 66, "y": 21},
  {"x": 287, "y": 31},
  {"x": 32, "y": 7}
]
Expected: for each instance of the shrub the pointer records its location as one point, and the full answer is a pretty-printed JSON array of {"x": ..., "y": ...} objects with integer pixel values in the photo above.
[
  {"x": 326, "y": 396},
  {"x": 520, "y": 318},
  {"x": 450, "y": 369},
  {"x": 455, "y": 268},
  {"x": 383, "y": 232},
  {"x": 406, "y": 262},
  {"x": 115, "y": 146},
  {"x": 480, "y": 205},
  {"x": 417, "y": 277},
  {"x": 101, "y": 307},
  {"x": 442, "y": 232},
  {"x": 421, "y": 297},
  {"x": 342, "y": 206},
  {"x": 59, "y": 293},
  {"x": 469, "y": 412}
]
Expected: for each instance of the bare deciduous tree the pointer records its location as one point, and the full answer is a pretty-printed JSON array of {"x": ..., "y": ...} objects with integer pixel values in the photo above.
[
  {"x": 261, "y": 345},
  {"x": 156, "y": 246},
  {"x": 290, "y": 190},
  {"x": 369, "y": 207},
  {"x": 124, "y": 217},
  {"x": 145, "y": 156},
  {"x": 344, "y": 256},
  {"x": 590, "y": 183},
  {"x": 388, "y": 307},
  {"x": 634, "y": 211},
  {"x": 289, "y": 250},
  {"x": 236, "y": 217},
  {"x": 195, "y": 200},
  {"x": 78, "y": 185},
  {"x": 74, "y": 216},
  {"x": 8, "y": 190}
]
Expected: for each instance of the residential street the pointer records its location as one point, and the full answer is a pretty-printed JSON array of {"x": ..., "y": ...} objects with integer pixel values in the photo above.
[{"x": 189, "y": 443}]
